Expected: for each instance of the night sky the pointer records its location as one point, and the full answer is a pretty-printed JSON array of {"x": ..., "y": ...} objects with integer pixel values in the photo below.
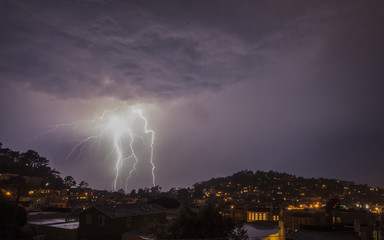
[{"x": 288, "y": 86}]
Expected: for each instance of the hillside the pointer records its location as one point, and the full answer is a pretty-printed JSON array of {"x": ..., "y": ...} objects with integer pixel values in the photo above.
[{"x": 287, "y": 189}]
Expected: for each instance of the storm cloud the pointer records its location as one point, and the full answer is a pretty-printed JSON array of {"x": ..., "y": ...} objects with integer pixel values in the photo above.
[{"x": 293, "y": 86}]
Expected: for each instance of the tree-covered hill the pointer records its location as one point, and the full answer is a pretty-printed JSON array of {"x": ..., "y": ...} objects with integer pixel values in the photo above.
[
  {"x": 29, "y": 164},
  {"x": 282, "y": 187}
]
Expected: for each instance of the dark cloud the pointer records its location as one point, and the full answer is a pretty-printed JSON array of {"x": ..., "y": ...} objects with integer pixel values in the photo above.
[
  {"x": 123, "y": 50},
  {"x": 284, "y": 85}
]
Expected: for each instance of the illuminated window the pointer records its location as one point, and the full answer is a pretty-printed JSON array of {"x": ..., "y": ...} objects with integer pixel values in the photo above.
[
  {"x": 274, "y": 218},
  {"x": 264, "y": 216},
  {"x": 338, "y": 220},
  {"x": 256, "y": 216},
  {"x": 249, "y": 216}
]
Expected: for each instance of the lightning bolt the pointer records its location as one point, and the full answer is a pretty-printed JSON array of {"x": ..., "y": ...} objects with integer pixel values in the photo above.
[
  {"x": 116, "y": 124},
  {"x": 82, "y": 143},
  {"x": 148, "y": 131},
  {"x": 119, "y": 158},
  {"x": 105, "y": 112},
  {"x": 55, "y": 128},
  {"x": 133, "y": 155}
]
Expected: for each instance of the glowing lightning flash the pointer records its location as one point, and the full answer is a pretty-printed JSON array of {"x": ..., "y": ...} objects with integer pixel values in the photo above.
[
  {"x": 117, "y": 125},
  {"x": 119, "y": 159},
  {"x": 133, "y": 155},
  {"x": 146, "y": 130}
]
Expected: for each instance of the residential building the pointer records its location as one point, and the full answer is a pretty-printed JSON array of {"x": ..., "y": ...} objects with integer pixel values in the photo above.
[
  {"x": 111, "y": 221},
  {"x": 262, "y": 214}
]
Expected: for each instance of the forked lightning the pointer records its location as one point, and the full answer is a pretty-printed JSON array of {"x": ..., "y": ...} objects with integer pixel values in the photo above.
[{"x": 118, "y": 125}]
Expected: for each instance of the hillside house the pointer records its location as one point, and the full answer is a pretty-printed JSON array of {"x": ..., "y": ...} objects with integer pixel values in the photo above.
[{"x": 111, "y": 221}]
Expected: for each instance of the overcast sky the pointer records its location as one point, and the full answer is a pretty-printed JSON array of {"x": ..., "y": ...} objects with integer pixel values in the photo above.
[{"x": 288, "y": 86}]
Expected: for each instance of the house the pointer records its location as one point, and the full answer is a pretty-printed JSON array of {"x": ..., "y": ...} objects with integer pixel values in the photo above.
[
  {"x": 236, "y": 213},
  {"x": 364, "y": 223},
  {"x": 325, "y": 233},
  {"x": 294, "y": 219},
  {"x": 61, "y": 224},
  {"x": 262, "y": 214},
  {"x": 111, "y": 221},
  {"x": 55, "y": 229}
]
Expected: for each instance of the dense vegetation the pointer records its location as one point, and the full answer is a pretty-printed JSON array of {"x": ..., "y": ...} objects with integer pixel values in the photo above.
[
  {"x": 31, "y": 164},
  {"x": 275, "y": 186},
  {"x": 246, "y": 186},
  {"x": 205, "y": 223}
]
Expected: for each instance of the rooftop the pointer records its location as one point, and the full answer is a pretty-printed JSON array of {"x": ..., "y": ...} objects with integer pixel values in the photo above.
[{"x": 123, "y": 210}]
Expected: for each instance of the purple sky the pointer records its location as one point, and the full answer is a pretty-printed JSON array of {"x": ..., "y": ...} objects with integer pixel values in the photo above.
[{"x": 290, "y": 86}]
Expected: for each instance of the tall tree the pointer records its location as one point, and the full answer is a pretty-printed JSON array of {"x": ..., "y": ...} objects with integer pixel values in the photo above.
[
  {"x": 8, "y": 158},
  {"x": 155, "y": 189},
  {"x": 207, "y": 223},
  {"x": 83, "y": 184},
  {"x": 30, "y": 163},
  {"x": 69, "y": 182},
  {"x": 133, "y": 193},
  {"x": 33, "y": 159}
]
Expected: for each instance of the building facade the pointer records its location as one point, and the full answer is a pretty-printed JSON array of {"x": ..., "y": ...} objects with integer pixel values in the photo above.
[{"x": 111, "y": 221}]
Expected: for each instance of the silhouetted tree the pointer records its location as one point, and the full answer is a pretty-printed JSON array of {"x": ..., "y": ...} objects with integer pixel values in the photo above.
[
  {"x": 30, "y": 163},
  {"x": 333, "y": 204},
  {"x": 33, "y": 159},
  {"x": 155, "y": 189},
  {"x": 207, "y": 223},
  {"x": 143, "y": 192},
  {"x": 166, "y": 202},
  {"x": 198, "y": 192},
  {"x": 183, "y": 194},
  {"x": 69, "y": 182},
  {"x": 8, "y": 160},
  {"x": 83, "y": 184},
  {"x": 55, "y": 181},
  {"x": 172, "y": 190},
  {"x": 133, "y": 193}
]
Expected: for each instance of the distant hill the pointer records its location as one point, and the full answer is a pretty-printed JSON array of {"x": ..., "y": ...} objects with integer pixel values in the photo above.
[{"x": 282, "y": 187}]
